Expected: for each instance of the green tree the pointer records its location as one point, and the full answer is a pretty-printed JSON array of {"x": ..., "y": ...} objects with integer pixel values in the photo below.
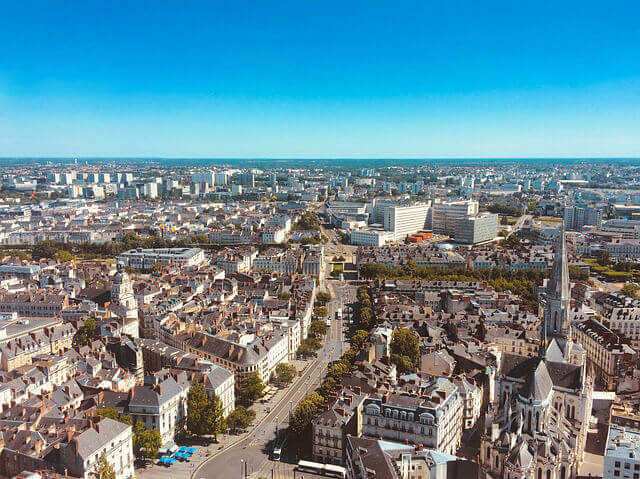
[
  {"x": 320, "y": 311},
  {"x": 63, "y": 256},
  {"x": 304, "y": 412},
  {"x": 577, "y": 273},
  {"x": 157, "y": 268},
  {"x": 630, "y": 290},
  {"x": 284, "y": 295},
  {"x": 146, "y": 442},
  {"x": 214, "y": 417},
  {"x": 86, "y": 333},
  {"x": 104, "y": 469},
  {"x": 197, "y": 404},
  {"x": 602, "y": 257},
  {"x": 115, "y": 415},
  {"x": 403, "y": 363},
  {"x": 323, "y": 297},
  {"x": 328, "y": 386},
  {"x": 240, "y": 418},
  {"x": 285, "y": 374},
  {"x": 405, "y": 348},
  {"x": 358, "y": 339},
  {"x": 318, "y": 329},
  {"x": 252, "y": 388}
]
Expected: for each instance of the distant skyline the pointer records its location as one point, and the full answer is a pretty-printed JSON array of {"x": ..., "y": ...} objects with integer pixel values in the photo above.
[{"x": 306, "y": 79}]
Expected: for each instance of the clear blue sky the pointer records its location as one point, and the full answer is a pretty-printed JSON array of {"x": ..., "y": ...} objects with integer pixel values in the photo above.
[{"x": 317, "y": 78}]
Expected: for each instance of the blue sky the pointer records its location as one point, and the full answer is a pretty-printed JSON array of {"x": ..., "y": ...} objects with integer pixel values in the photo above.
[{"x": 295, "y": 79}]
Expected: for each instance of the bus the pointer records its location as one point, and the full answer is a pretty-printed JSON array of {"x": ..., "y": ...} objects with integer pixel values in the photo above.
[{"x": 327, "y": 470}]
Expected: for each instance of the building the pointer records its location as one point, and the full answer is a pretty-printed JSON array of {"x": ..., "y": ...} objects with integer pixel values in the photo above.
[
  {"x": 113, "y": 438},
  {"x": 122, "y": 293},
  {"x": 330, "y": 428},
  {"x": 144, "y": 259},
  {"x": 477, "y": 229},
  {"x": 260, "y": 356},
  {"x": 622, "y": 454},
  {"x": 403, "y": 220},
  {"x": 370, "y": 237},
  {"x": 433, "y": 419},
  {"x": 446, "y": 215},
  {"x": 221, "y": 382},
  {"x": 379, "y": 459},
  {"x": 248, "y": 179},
  {"x": 608, "y": 356},
  {"x": 577, "y": 217},
  {"x": 538, "y": 418},
  {"x": 162, "y": 406}
]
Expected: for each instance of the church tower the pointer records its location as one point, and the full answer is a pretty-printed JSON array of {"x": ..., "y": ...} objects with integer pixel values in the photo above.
[
  {"x": 558, "y": 293},
  {"x": 122, "y": 293}
]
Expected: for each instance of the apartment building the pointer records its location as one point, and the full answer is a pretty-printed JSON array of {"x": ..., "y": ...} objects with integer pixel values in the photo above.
[
  {"x": 221, "y": 382},
  {"x": 113, "y": 438},
  {"x": 162, "y": 406},
  {"x": 577, "y": 217},
  {"x": 434, "y": 419},
  {"x": 330, "y": 428},
  {"x": 608, "y": 356},
  {"x": 260, "y": 356}
]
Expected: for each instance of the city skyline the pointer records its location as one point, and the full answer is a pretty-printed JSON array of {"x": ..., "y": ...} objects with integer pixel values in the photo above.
[{"x": 301, "y": 80}]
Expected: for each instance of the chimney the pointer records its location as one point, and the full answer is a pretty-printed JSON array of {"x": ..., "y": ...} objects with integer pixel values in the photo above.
[{"x": 132, "y": 393}]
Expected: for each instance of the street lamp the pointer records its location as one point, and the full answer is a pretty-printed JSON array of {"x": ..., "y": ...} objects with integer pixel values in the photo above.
[{"x": 242, "y": 468}]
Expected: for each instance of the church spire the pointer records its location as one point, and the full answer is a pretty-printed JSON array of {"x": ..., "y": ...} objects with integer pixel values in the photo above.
[
  {"x": 558, "y": 286},
  {"x": 558, "y": 293}
]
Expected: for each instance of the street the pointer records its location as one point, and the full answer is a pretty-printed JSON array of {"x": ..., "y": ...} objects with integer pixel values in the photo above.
[{"x": 256, "y": 448}]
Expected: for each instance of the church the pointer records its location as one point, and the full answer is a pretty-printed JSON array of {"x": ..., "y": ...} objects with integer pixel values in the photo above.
[{"x": 537, "y": 422}]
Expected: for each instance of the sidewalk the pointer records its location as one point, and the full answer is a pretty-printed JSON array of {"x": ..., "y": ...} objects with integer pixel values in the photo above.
[{"x": 185, "y": 469}]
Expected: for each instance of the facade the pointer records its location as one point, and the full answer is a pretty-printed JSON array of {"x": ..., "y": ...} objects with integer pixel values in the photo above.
[
  {"x": 113, "y": 438},
  {"x": 622, "y": 454},
  {"x": 608, "y": 357},
  {"x": 331, "y": 427},
  {"x": 477, "y": 229},
  {"x": 403, "y": 220},
  {"x": 162, "y": 406},
  {"x": 577, "y": 217},
  {"x": 221, "y": 382},
  {"x": 370, "y": 237},
  {"x": 144, "y": 259},
  {"x": 433, "y": 419},
  {"x": 447, "y": 215}
]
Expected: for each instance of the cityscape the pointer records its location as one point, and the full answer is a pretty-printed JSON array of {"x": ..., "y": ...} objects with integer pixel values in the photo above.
[{"x": 311, "y": 240}]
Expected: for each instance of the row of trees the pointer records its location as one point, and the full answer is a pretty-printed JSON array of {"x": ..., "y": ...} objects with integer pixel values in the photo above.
[
  {"x": 521, "y": 283},
  {"x": 305, "y": 411}
]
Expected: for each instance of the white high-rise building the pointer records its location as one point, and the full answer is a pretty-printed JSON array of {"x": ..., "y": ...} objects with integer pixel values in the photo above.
[
  {"x": 405, "y": 220},
  {"x": 446, "y": 215}
]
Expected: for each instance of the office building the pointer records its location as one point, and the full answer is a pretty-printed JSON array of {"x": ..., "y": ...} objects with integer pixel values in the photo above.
[
  {"x": 447, "y": 215},
  {"x": 405, "y": 220},
  {"x": 477, "y": 229}
]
